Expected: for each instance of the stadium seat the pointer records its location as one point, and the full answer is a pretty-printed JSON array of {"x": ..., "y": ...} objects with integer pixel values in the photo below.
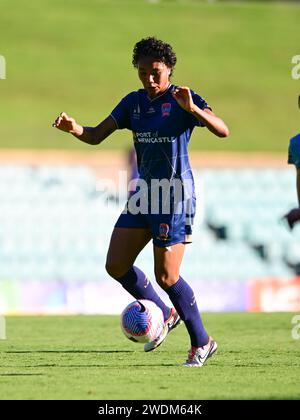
[{"x": 56, "y": 226}]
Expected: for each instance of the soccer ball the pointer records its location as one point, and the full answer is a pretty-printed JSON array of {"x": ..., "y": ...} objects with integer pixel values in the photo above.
[{"x": 142, "y": 321}]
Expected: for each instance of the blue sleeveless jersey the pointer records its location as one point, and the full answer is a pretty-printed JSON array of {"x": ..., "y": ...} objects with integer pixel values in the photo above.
[
  {"x": 294, "y": 151},
  {"x": 161, "y": 133}
]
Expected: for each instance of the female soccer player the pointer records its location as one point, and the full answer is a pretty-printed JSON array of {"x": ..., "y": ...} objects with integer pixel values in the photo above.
[{"x": 161, "y": 117}]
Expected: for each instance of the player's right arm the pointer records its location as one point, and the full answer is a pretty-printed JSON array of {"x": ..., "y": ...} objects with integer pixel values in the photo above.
[{"x": 90, "y": 135}]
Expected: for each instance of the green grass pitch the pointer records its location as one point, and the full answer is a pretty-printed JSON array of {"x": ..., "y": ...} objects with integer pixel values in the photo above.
[
  {"x": 75, "y": 56},
  {"x": 87, "y": 357}
]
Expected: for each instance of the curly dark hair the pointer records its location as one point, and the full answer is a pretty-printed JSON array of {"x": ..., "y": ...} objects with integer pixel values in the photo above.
[{"x": 153, "y": 47}]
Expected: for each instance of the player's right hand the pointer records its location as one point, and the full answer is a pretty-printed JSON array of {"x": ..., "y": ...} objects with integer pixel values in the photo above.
[
  {"x": 292, "y": 217},
  {"x": 65, "y": 123}
]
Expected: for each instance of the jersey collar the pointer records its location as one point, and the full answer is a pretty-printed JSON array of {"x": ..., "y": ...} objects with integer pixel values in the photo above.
[{"x": 159, "y": 96}]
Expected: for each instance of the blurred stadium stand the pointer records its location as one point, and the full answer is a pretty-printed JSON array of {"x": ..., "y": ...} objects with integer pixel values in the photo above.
[{"x": 55, "y": 229}]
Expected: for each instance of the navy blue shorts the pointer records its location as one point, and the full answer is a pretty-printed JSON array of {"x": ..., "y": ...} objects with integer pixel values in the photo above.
[{"x": 166, "y": 229}]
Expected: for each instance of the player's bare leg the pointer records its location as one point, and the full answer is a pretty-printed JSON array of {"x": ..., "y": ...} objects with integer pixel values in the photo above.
[
  {"x": 125, "y": 245},
  {"x": 167, "y": 262}
]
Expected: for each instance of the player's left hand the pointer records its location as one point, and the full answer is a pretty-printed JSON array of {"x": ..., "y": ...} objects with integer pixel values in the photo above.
[
  {"x": 182, "y": 95},
  {"x": 292, "y": 217}
]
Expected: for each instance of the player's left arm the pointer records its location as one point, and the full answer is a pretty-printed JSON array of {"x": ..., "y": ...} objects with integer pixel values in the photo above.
[{"x": 216, "y": 125}]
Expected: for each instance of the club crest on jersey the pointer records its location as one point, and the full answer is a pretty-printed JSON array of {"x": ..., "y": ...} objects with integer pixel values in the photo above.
[
  {"x": 163, "y": 232},
  {"x": 166, "y": 109}
]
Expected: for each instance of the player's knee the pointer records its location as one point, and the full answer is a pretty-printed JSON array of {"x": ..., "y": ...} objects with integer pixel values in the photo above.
[
  {"x": 114, "y": 269},
  {"x": 166, "y": 279}
]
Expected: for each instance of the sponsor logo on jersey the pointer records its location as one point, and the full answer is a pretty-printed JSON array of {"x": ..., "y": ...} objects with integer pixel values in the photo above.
[
  {"x": 166, "y": 109},
  {"x": 151, "y": 137},
  {"x": 163, "y": 232}
]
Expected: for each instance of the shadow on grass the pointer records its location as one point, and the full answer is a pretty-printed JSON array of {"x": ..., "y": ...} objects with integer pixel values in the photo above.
[
  {"x": 22, "y": 374},
  {"x": 116, "y": 366},
  {"x": 68, "y": 351}
]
